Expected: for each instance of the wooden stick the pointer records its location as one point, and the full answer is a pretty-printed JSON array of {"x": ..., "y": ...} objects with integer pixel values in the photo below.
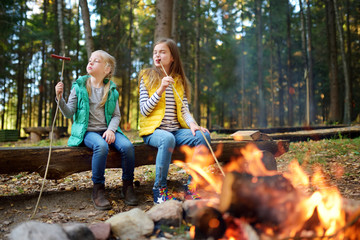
[
  {"x": 51, "y": 136},
  {"x": 211, "y": 150}
]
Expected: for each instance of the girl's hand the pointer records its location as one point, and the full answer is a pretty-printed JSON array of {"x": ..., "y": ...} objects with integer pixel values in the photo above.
[
  {"x": 109, "y": 136},
  {"x": 59, "y": 89},
  {"x": 194, "y": 127},
  {"x": 165, "y": 82}
]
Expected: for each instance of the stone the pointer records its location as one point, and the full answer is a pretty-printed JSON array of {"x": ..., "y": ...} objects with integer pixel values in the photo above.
[
  {"x": 167, "y": 213},
  {"x": 77, "y": 231},
  {"x": 101, "y": 230},
  {"x": 134, "y": 224},
  {"x": 34, "y": 230}
]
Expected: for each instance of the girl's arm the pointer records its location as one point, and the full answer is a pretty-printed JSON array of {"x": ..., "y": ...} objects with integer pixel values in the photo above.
[
  {"x": 109, "y": 134},
  {"x": 68, "y": 109},
  {"x": 115, "y": 120},
  {"x": 147, "y": 104},
  {"x": 186, "y": 112},
  {"x": 190, "y": 121}
]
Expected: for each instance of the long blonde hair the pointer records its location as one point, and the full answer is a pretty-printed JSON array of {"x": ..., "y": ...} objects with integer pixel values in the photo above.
[
  {"x": 176, "y": 67},
  {"x": 110, "y": 62}
]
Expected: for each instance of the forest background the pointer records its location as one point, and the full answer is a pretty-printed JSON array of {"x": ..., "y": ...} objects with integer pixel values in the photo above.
[{"x": 252, "y": 64}]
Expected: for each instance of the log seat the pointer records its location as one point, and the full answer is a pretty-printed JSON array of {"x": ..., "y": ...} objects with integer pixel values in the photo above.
[{"x": 68, "y": 160}]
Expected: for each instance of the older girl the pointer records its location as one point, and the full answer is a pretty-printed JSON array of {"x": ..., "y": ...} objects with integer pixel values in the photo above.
[
  {"x": 93, "y": 103},
  {"x": 165, "y": 120}
]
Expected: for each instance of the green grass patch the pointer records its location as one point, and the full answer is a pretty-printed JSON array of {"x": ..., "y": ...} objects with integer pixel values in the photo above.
[{"x": 323, "y": 151}]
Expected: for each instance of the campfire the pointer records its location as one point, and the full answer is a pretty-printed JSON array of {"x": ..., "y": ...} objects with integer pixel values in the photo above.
[{"x": 289, "y": 205}]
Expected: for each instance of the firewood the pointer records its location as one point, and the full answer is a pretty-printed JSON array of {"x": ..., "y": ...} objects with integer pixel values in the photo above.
[
  {"x": 246, "y": 135},
  {"x": 271, "y": 203},
  {"x": 266, "y": 200}
]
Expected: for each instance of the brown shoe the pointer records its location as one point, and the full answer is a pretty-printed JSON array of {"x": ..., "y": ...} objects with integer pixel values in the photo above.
[
  {"x": 98, "y": 197},
  {"x": 128, "y": 193}
]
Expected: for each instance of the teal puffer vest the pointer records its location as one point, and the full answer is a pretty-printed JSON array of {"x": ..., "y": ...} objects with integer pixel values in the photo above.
[{"x": 81, "y": 116}]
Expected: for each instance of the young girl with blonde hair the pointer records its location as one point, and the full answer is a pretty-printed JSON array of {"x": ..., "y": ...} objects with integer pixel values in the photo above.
[
  {"x": 165, "y": 120},
  {"x": 93, "y": 104}
]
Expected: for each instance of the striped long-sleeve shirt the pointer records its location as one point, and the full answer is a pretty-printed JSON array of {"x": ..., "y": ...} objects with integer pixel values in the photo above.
[{"x": 169, "y": 122}]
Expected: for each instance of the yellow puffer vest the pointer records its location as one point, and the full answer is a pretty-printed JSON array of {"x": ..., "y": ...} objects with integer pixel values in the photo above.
[{"x": 153, "y": 120}]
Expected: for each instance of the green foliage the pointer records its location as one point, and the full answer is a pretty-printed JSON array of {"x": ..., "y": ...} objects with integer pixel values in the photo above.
[
  {"x": 181, "y": 232},
  {"x": 150, "y": 174},
  {"x": 228, "y": 58},
  {"x": 20, "y": 190}
]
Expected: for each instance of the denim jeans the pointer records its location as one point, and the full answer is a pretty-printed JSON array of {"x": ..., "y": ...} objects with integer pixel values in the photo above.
[
  {"x": 165, "y": 142},
  {"x": 100, "y": 149}
]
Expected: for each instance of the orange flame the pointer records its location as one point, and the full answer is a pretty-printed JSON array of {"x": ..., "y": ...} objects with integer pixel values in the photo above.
[
  {"x": 325, "y": 202},
  {"x": 196, "y": 160},
  {"x": 192, "y": 232},
  {"x": 250, "y": 162}
]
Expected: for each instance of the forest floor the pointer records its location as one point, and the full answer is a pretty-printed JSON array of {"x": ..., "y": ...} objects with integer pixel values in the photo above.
[{"x": 69, "y": 199}]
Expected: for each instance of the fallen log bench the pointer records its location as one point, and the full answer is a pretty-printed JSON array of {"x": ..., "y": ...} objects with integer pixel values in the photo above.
[
  {"x": 36, "y": 133},
  {"x": 68, "y": 160}
]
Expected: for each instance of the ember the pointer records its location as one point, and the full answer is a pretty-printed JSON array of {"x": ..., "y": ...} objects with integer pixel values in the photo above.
[{"x": 277, "y": 205}]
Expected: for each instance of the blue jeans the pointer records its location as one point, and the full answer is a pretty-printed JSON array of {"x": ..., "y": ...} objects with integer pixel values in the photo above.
[
  {"x": 165, "y": 142},
  {"x": 100, "y": 149}
]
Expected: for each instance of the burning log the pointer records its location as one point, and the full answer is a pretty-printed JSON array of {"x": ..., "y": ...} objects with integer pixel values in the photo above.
[
  {"x": 275, "y": 207},
  {"x": 266, "y": 200},
  {"x": 210, "y": 223}
]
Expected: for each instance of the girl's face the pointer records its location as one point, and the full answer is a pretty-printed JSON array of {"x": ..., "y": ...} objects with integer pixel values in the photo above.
[
  {"x": 162, "y": 54},
  {"x": 96, "y": 66}
]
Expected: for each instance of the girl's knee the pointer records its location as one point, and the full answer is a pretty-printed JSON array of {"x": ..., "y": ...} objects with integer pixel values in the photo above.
[
  {"x": 207, "y": 135},
  {"x": 102, "y": 147},
  {"x": 127, "y": 145},
  {"x": 169, "y": 140},
  {"x": 201, "y": 138}
]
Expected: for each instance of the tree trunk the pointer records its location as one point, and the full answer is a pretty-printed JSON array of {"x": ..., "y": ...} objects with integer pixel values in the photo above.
[
  {"x": 312, "y": 110},
  {"x": 347, "y": 102},
  {"x": 4, "y": 108},
  {"x": 272, "y": 87},
  {"x": 261, "y": 107},
  {"x": 78, "y": 37},
  {"x": 42, "y": 77},
  {"x": 20, "y": 80},
  {"x": 184, "y": 8},
  {"x": 129, "y": 62},
  {"x": 61, "y": 26},
  {"x": 289, "y": 67},
  {"x": 174, "y": 31},
  {"x": 306, "y": 63},
  {"x": 243, "y": 97},
  {"x": 57, "y": 48},
  {"x": 120, "y": 62},
  {"x": 164, "y": 9},
  {"x": 281, "y": 86},
  {"x": 197, "y": 65},
  {"x": 334, "y": 113},
  {"x": 20, "y": 75},
  {"x": 349, "y": 54},
  {"x": 89, "y": 43},
  {"x": 29, "y": 109},
  {"x": 42, "y": 84},
  {"x": 60, "y": 16}
]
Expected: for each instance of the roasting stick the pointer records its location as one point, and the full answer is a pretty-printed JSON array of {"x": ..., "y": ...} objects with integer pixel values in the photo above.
[
  {"x": 211, "y": 150},
  {"x": 51, "y": 134}
]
